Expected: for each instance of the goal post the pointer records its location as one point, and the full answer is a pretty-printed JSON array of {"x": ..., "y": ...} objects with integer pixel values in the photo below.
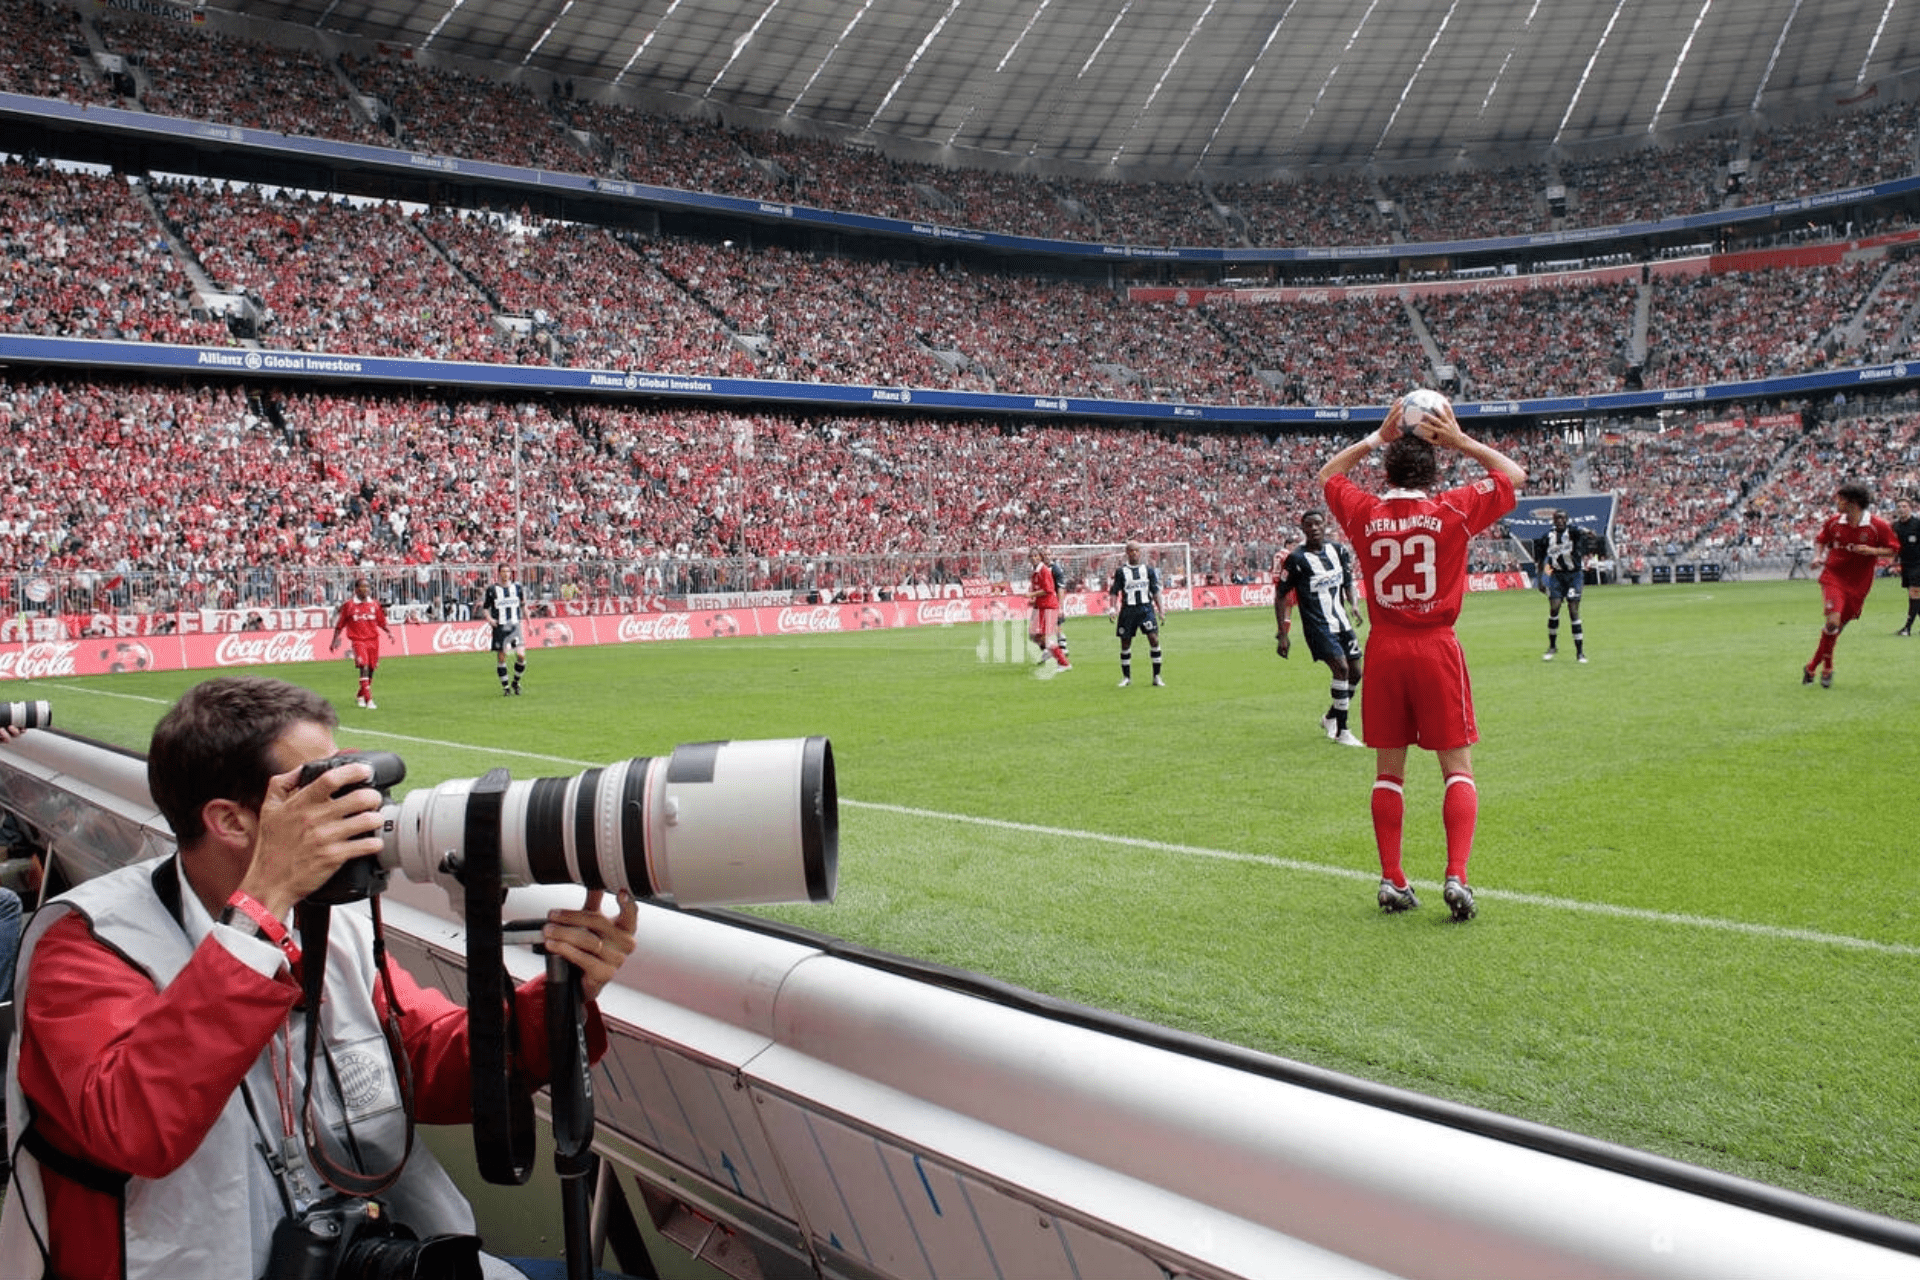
[
  {"x": 1087, "y": 571},
  {"x": 1089, "y": 566}
]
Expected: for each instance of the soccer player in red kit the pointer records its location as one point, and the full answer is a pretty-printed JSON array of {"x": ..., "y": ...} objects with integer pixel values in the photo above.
[
  {"x": 362, "y": 618},
  {"x": 1412, "y": 546},
  {"x": 1853, "y": 543},
  {"x": 1044, "y": 628}
]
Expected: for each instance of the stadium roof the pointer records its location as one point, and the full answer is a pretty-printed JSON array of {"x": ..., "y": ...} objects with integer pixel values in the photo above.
[{"x": 1165, "y": 87}]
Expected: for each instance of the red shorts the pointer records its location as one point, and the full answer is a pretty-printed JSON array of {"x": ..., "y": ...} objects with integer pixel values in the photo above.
[
  {"x": 1416, "y": 693},
  {"x": 1835, "y": 598},
  {"x": 1046, "y": 622},
  {"x": 366, "y": 654}
]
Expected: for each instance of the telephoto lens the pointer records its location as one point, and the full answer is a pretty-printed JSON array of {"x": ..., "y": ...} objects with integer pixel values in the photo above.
[
  {"x": 27, "y": 715},
  {"x": 715, "y": 823}
]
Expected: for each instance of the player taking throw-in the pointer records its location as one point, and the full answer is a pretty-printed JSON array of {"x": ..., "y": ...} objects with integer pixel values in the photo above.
[{"x": 1411, "y": 541}]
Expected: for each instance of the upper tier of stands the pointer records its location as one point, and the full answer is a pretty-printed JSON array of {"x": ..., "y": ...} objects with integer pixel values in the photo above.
[
  {"x": 197, "y": 73},
  {"x": 95, "y": 256}
]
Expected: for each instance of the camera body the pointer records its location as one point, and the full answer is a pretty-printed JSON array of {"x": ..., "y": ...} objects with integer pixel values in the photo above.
[
  {"x": 355, "y": 1239},
  {"x": 362, "y": 877}
]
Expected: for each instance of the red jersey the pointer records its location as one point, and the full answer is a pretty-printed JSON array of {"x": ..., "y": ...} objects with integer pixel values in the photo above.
[
  {"x": 362, "y": 620},
  {"x": 101, "y": 1057},
  {"x": 1413, "y": 548},
  {"x": 1852, "y": 571},
  {"x": 1042, "y": 589}
]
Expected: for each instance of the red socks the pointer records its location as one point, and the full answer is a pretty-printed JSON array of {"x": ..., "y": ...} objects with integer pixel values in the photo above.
[
  {"x": 1824, "y": 653},
  {"x": 1389, "y": 815},
  {"x": 1459, "y": 811}
]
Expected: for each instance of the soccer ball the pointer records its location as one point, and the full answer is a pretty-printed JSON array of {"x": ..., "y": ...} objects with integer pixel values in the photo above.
[{"x": 1418, "y": 405}]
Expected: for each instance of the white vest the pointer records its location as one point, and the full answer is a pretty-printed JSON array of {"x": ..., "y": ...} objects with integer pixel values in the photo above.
[{"x": 188, "y": 1223}]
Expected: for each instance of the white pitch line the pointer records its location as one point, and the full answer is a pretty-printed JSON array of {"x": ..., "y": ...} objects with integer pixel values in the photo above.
[
  {"x": 1768, "y": 931},
  {"x": 354, "y": 727},
  {"x": 1772, "y": 932}
]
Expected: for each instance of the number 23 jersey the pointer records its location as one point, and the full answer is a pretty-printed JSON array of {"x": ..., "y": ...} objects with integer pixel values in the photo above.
[{"x": 1413, "y": 546}]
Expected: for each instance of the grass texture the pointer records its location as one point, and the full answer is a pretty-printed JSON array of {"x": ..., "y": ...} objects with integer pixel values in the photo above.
[{"x": 1698, "y": 933}]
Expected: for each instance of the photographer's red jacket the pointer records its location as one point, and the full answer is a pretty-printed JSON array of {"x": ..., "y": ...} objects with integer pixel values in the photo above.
[{"x": 130, "y": 1078}]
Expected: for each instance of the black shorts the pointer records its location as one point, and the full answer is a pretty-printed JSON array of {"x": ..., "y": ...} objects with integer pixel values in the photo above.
[
  {"x": 1137, "y": 617},
  {"x": 1330, "y": 646},
  {"x": 1565, "y": 584},
  {"x": 1910, "y": 575},
  {"x": 507, "y": 637}
]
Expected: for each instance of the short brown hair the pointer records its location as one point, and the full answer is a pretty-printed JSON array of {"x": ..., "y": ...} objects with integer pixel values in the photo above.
[{"x": 213, "y": 745}]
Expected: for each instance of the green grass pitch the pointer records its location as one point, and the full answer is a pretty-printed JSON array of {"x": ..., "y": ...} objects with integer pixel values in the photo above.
[{"x": 1698, "y": 933}]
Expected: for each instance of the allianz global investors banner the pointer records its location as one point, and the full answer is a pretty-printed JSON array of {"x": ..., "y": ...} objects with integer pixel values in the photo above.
[{"x": 128, "y": 643}]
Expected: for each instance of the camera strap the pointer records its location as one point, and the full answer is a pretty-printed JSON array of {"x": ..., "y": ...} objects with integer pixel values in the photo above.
[
  {"x": 315, "y": 919},
  {"x": 503, "y": 1140}
]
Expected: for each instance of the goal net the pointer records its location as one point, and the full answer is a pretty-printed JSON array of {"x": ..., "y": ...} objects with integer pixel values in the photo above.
[
  {"x": 1086, "y": 571},
  {"x": 1089, "y": 566}
]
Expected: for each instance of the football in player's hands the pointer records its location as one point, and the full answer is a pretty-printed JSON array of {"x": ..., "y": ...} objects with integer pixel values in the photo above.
[{"x": 1418, "y": 406}]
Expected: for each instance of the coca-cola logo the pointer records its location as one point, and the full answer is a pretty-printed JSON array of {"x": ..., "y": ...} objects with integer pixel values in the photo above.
[
  {"x": 1257, "y": 593},
  {"x": 808, "y": 621},
  {"x": 258, "y": 650},
  {"x": 37, "y": 662},
  {"x": 665, "y": 626},
  {"x": 454, "y": 637},
  {"x": 940, "y": 613}
]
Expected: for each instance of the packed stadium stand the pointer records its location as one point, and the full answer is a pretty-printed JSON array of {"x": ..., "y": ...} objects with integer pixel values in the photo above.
[
  {"x": 199, "y": 74},
  {"x": 642, "y": 490}
]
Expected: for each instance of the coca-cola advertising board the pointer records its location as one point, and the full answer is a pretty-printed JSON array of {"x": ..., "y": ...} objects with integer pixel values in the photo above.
[{"x": 26, "y": 658}]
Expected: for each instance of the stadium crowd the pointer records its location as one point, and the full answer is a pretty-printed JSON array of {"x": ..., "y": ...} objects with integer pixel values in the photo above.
[
  {"x": 204, "y": 492},
  {"x": 43, "y": 52},
  {"x": 83, "y": 257},
  {"x": 1520, "y": 344},
  {"x": 1740, "y": 325},
  {"x": 327, "y": 479},
  {"x": 199, "y": 73},
  {"x": 227, "y": 481},
  {"x": 88, "y": 257}
]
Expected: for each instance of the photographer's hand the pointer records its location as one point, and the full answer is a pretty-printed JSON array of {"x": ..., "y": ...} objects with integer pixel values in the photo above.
[
  {"x": 303, "y": 834},
  {"x": 598, "y": 945}
]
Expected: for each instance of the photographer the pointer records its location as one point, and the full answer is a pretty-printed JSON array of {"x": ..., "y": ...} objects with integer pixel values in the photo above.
[{"x": 160, "y": 1066}]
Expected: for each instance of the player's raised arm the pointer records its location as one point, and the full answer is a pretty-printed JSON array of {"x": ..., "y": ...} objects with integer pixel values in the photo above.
[
  {"x": 1443, "y": 430},
  {"x": 1349, "y": 458}
]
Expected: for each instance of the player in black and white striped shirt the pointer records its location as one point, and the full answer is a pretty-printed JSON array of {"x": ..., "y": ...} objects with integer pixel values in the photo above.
[
  {"x": 1559, "y": 560},
  {"x": 504, "y": 606},
  {"x": 1319, "y": 575},
  {"x": 1135, "y": 600}
]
